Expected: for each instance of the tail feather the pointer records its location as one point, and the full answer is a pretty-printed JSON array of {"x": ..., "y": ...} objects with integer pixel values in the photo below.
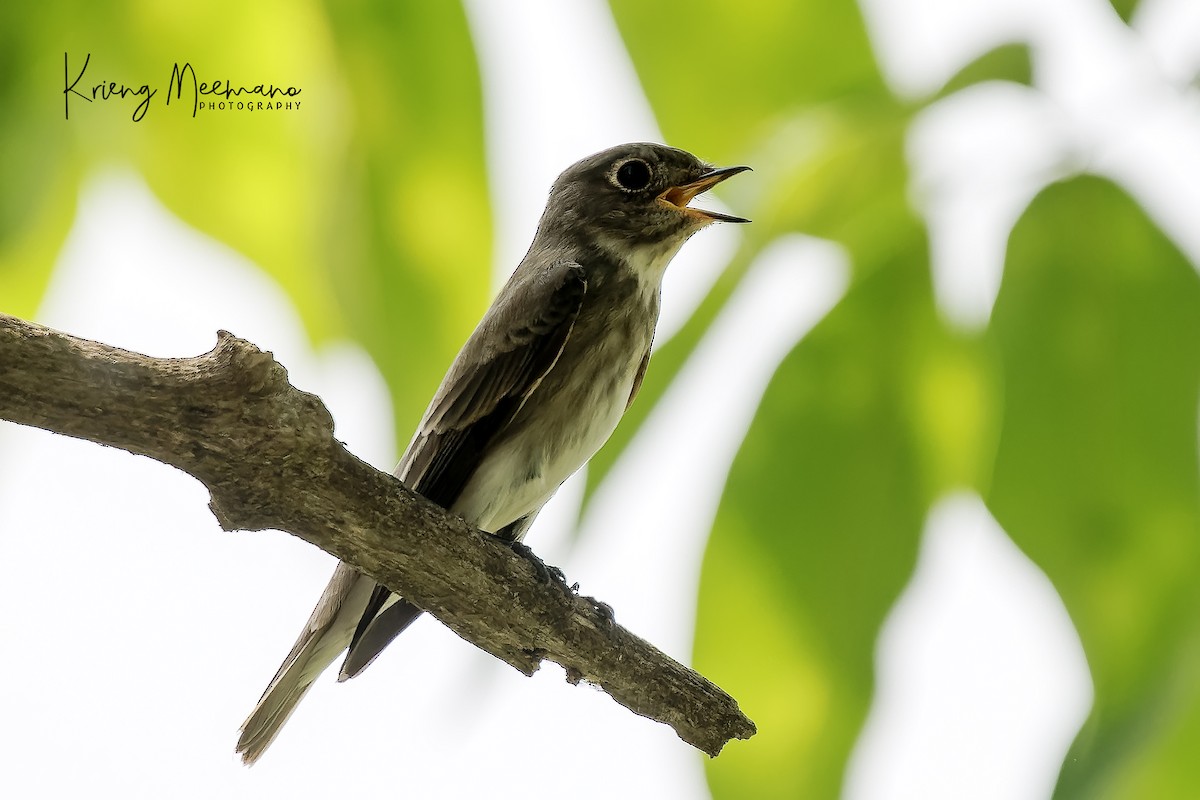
[
  {"x": 379, "y": 633},
  {"x": 268, "y": 717},
  {"x": 323, "y": 639}
]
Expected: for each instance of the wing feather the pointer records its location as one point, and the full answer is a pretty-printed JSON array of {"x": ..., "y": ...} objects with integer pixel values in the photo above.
[{"x": 515, "y": 345}]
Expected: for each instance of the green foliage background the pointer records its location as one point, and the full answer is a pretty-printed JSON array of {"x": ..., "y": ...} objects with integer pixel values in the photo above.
[{"x": 1073, "y": 413}]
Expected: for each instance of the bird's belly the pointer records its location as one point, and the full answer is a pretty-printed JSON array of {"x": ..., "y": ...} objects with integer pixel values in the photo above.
[{"x": 556, "y": 438}]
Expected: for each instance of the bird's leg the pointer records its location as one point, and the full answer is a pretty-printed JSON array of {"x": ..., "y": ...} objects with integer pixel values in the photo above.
[
  {"x": 545, "y": 572},
  {"x": 548, "y": 573}
]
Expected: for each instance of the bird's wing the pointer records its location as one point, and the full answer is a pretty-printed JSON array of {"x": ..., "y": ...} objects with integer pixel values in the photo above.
[
  {"x": 637, "y": 379},
  {"x": 515, "y": 345},
  {"x": 512, "y": 349}
]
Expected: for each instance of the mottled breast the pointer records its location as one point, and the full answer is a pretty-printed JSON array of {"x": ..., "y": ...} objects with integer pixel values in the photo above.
[{"x": 572, "y": 412}]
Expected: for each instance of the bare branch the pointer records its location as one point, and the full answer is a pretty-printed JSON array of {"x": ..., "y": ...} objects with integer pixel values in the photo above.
[{"x": 266, "y": 452}]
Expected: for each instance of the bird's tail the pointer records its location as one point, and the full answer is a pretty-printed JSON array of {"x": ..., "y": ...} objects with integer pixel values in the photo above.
[
  {"x": 273, "y": 709},
  {"x": 324, "y": 638}
]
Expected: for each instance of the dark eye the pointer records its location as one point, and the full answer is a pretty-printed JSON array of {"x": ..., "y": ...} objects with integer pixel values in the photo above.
[{"x": 633, "y": 175}]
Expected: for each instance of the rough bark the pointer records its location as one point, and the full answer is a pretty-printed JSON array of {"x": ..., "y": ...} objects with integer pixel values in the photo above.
[{"x": 266, "y": 452}]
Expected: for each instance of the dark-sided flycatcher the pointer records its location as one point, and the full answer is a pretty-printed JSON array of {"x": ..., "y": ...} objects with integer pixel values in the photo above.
[{"x": 535, "y": 391}]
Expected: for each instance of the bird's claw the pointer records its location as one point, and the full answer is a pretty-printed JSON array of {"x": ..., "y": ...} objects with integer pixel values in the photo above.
[
  {"x": 604, "y": 610},
  {"x": 546, "y": 573}
]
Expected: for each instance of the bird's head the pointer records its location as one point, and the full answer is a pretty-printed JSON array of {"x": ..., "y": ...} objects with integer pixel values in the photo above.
[{"x": 634, "y": 196}]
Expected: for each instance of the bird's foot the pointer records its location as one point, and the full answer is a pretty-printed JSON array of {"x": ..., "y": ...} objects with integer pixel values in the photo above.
[
  {"x": 604, "y": 610},
  {"x": 546, "y": 573}
]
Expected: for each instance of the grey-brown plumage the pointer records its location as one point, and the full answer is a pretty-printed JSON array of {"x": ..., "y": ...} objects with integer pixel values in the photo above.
[{"x": 536, "y": 390}]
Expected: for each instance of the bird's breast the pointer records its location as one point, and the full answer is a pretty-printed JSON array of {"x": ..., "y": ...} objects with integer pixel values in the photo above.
[{"x": 565, "y": 420}]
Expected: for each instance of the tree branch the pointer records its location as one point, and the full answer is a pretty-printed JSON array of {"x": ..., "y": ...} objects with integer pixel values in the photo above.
[{"x": 266, "y": 452}]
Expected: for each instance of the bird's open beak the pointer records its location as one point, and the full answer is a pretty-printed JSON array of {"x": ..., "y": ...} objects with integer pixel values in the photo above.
[{"x": 680, "y": 196}]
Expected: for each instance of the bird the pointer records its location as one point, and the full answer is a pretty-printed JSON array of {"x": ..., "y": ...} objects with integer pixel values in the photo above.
[{"x": 535, "y": 391}]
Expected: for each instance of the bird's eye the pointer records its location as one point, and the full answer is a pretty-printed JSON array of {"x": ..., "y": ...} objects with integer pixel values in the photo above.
[{"x": 633, "y": 175}]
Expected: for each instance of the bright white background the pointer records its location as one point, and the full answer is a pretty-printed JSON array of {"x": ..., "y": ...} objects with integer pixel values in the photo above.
[{"x": 138, "y": 635}]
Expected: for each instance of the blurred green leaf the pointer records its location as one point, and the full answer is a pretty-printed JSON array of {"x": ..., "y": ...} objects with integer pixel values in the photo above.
[
  {"x": 37, "y": 195},
  {"x": 367, "y": 202},
  {"x": 722, "y": 75},
  {"x": 1167, "y": 768},
  {"x": 816, "y": 536},
  {"x": 1098, "y": 323},
  {"x": 410, "y": 245},
  {"x": 1010, "y": 62},
  {"x": 257, "y": 180},
  {"x": 248, "y": 179},
  {"x": 878, "y": 411},
  {"x": 1124, "y": 8}
]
